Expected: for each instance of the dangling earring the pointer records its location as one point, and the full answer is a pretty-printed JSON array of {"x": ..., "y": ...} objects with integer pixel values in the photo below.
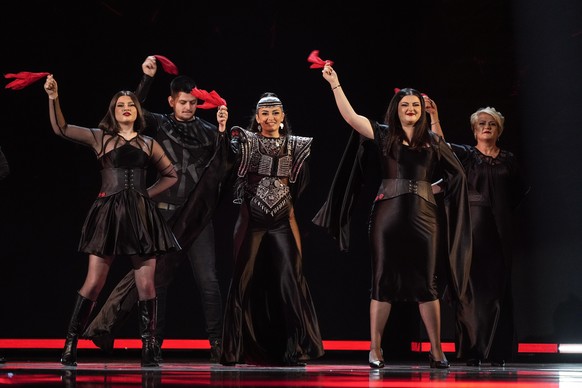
[
  {"x": 259, "y": 127},
  {"x": 281, "y": 126}
]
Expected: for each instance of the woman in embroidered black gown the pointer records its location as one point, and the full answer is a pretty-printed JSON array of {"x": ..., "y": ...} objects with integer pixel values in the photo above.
[
  {"x": 122, "y": 221},
  {"x": 485, "y": 327},
  {"x": 404, "y": 224},
  {"x": 269, "y": 316}
]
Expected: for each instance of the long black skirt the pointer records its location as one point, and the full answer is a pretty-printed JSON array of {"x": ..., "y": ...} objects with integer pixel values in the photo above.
[{"x": 404, "y": 245}]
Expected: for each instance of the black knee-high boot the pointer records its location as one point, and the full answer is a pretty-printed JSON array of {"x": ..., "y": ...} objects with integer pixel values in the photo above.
[
  {"x": 147, "y": 328},
  {"x": 79, "y": 318},
  {"x": 161, "y": 296}
]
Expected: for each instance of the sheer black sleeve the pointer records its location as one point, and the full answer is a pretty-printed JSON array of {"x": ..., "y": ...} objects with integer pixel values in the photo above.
[
  {"x": 143, "y": 88},
  {"x": 167, "y": 173},
  {"x": 91, "y": 137}
]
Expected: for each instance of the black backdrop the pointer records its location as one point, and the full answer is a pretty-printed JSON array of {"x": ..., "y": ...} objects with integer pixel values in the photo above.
[{"x": 522, "y": 57}]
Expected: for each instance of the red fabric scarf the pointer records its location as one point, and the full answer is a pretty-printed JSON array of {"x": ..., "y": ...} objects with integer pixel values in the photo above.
[
  {"x": 167, "y": 65},
  {"x": 23, "y": 79},
  {"x": 211, "y": 99},
  {"x": 316, "y": 61}
]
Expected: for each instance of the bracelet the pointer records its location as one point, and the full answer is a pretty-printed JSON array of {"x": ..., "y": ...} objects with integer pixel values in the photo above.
[
  {"x": 435, "y": 123},
  {"x": 335, "y": 87}
]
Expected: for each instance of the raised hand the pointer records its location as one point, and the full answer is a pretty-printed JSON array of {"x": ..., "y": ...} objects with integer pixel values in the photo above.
[{"x": 51, "y": 87}]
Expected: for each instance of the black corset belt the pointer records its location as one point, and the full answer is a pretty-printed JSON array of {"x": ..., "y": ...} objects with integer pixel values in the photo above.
[
  {"x": 114, "y": 180},
  {"x": 391, "y": 188}
]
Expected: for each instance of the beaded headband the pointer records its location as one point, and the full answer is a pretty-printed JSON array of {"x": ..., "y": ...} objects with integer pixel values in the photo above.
[{"x": 269, "y": 101}]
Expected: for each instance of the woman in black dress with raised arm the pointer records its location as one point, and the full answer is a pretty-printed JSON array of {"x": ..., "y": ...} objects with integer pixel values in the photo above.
[
  {"x": 123, "y": 220},
  {"x": 405, "y": 228}
]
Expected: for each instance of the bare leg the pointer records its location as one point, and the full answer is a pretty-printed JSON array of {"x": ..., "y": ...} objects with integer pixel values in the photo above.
[
  {"x": 96, "y": 276},
  {"x": 379, "y": 313},
  {"x": 144, "y": 271},
  {"x": 430, "y": 313}
]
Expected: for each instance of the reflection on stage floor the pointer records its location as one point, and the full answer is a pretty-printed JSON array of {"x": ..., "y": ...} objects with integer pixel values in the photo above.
[{"x": 330, "y": 371}]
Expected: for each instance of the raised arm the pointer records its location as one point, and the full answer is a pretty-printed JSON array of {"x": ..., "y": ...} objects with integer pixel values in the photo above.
[
  {"x": 149, "y": 68},
  {"x": 360, "y": 123},
  {"x": 60, "y": 127},
  {"x": 431, "y": 109},
  {"x": 167, "y": 173}
]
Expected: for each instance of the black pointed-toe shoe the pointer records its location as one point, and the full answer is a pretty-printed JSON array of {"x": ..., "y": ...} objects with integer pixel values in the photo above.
[
  {"x": 499, "y": 362},
  {"x": 443, "y": 364}
]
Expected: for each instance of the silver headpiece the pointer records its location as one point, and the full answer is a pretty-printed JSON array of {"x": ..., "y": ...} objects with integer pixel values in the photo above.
[{"x": 269, "y": 101}]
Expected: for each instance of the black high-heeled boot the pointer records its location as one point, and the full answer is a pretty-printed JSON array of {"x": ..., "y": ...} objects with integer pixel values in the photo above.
[
  {"x": 147, "y": 328},
  {"x": 81, "y": 312}
]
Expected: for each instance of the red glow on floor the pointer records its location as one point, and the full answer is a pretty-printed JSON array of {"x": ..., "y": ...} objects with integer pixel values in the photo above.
[{"x": 202, "y": 344}]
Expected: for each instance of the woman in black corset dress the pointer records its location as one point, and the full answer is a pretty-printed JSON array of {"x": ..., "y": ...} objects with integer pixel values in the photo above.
[
  {"x": 404, "y": 224},
  {"x": 485, "y": 328},
  {"x": 123, "y": 221},
  {"x": 269, "y": 316}
]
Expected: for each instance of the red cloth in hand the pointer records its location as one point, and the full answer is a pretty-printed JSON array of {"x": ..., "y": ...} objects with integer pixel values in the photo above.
[
  {"x": 316, "y": 61},
  {"x": 167, "y": 65},
  {"x": 211, "y": 99},
  {"x": 23, "y": 79}
]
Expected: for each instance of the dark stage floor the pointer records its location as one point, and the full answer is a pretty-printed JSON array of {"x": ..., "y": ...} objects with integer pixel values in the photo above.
[{"x": 331, "y": 371}]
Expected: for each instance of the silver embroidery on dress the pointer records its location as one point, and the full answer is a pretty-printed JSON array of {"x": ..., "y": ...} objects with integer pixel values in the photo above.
[
  {"x": 271, "y": 195},
  {"x": 277, "y": 159}
]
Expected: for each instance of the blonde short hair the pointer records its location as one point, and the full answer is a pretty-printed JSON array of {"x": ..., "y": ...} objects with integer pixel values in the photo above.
[{"x": 497, "y": 116}]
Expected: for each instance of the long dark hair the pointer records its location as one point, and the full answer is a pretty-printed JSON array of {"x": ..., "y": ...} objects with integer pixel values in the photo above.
[
  {"x": 110, "y": 124},
  {"x": 254, "y": 126},
  {"x": 421, "y": 135}
]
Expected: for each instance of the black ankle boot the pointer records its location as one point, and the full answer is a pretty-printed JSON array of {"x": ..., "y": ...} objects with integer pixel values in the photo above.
[
  {"x": 79, "y": 319},
  {"x": 147, "y": 328}
]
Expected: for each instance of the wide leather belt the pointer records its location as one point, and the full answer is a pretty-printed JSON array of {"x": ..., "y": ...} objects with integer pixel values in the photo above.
[
  {"x": 391, "y": 188},
  {"x": 114, "y": 180}
]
